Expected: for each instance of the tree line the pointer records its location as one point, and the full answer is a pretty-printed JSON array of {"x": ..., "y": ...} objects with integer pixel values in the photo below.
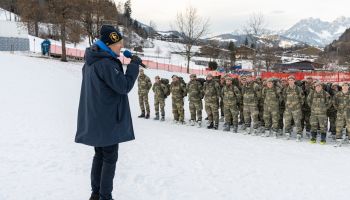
[{"x": 74, "y": 20}]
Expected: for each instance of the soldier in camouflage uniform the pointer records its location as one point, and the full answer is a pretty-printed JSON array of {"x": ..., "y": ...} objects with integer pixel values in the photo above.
[
  {"x": 178, "y": 92},
  {"x": 195, "y": 96},
  {"x": 332, "y": 112},
  {"x": 306, "y": 110},
  {"x": 144, "y": 85},
  {"x": 159, "y": 98},
  {"x": 251, "y": 93},
  {"x": 272, "y": 98},
  {"x": 240, "y": 103},
  {"x": 231, "y": 96},
  {"x": 284, "y": 85},
  {"x": 260, "y": 82},
  {"x": 211, "y": 97},
  {"x": 221, "y": 102},
  {"x": 319, "y": 101},
  {"x": 294, "y": 99},
  {"x": 341, "y": 102}
]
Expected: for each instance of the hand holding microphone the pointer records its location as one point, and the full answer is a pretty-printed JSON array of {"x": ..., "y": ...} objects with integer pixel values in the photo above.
[{"x": 134, "y": 58}]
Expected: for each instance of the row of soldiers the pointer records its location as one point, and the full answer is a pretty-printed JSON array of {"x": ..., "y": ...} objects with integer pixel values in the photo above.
[{"x": 261, "y": 107}]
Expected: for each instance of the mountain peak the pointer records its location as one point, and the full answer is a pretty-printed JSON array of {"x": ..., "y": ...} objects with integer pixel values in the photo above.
[{"x": 316, "y": 32}]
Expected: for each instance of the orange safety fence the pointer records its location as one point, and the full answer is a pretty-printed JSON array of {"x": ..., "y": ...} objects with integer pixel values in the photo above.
[
  {"x": 71, "y": 52},
  {"x": 321, "y": 76}
]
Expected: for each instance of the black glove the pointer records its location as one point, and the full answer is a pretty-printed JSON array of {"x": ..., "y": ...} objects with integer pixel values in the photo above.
[{"x": 136, "y": 60}]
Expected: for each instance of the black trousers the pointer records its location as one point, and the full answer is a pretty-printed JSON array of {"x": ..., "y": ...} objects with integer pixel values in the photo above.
[{"x": 103, "y": 171}]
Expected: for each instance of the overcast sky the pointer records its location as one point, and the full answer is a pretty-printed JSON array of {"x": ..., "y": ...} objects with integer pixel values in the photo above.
[{"x": 229, "y": 15}]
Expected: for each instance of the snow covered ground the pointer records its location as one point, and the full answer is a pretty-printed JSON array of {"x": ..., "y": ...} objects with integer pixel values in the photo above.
[{"x": 40, "y": 161}]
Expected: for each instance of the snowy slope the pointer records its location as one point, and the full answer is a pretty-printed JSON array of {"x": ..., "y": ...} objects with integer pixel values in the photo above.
[{"x": 40, "y": 161}]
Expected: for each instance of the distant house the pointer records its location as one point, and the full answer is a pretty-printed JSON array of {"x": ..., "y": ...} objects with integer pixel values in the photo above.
[
  {"x": 13, "y": 37},
  {"x": 167, "y": 36},
  {"x": 244, "y": 52},
  {"x": 298, "y": 66}
]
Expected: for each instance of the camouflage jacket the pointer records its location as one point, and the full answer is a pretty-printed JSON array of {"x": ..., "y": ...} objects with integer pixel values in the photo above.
[
  {"x": 195, "y": 91},
  {"x": 158, "y": 89},
  {"x": 177, "y": 90},
  {"x": 144, "y": 84},
  {"x": 319, "y": 102},
  {"x": 293, "y": 98},
  {"x": 211, "y": 91},
  {"x": 231, "y": 95},
  {"x": 251, "y": 93},
  {"x": 341, "y": 101},
  {"x": 272, "y": 96}
]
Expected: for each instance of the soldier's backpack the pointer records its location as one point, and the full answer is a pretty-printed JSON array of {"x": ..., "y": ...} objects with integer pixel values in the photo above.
[
  {"x": 165, "y": 82},
  {"x": 201, "y": 80},
  {"x": 182, "y": 81}
]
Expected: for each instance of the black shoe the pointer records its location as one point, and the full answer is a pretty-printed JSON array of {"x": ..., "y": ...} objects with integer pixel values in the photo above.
[
  {"x": 211, "y": 125},
  {"x": 235, "y": 129},
  {"x": 142, "y": 115},
  {"x": 162, "y": 119},
  {"x": 94, "y": 196},
  {"x": 216, "y": 126},
  {"x": 156, "y": 118},
  {"x": 147, "y": 116}
]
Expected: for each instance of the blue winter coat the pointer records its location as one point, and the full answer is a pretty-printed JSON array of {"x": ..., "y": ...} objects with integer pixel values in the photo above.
[{"x": 104, "y": 116}]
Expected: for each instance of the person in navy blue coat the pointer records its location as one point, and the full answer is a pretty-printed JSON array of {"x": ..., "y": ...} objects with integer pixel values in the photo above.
[{"x": 104, "y": 118}]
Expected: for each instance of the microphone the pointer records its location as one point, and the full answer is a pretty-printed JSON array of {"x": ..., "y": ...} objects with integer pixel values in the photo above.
[{"x": 128, "y": 54}]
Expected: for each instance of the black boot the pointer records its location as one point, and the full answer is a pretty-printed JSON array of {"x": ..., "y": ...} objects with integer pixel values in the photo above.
[
  {"x": 211, "y": 125},
  {"x": 157, "y": 117},
  {"x": 323, "y": 138},
  {"x": 94, "y": 197},
  {"x": 235, "y": 129},
  {"x": 142, "y": 115},
  {"x": 216, "y": 126},
  {"x": 147, "y": 116},
  {"x": 163, "y": 118},
  {"x": 313, "y": 137}
]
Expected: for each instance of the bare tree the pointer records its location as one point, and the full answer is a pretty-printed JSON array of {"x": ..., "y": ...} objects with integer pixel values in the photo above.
[
  {"x": 192, "y": 27},
  {"x": 61, "y": 13},
  {"x": 256, "y": 27},
  {"x": 32, "y": 12}
]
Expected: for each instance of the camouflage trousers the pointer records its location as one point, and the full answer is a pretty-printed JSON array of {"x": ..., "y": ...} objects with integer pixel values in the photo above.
[
  {"x": 222, "y": 109},
  {"x": 292, "y": 115},
  {"x": 241, "y": 116},
  {"x": 280, "y": 121},
  {"x": 159, "y": 103},
  {"x": 305, "y": 120},
  {"x": 271, "y": 118},
  {"x": 251, "y": 112},
  {"x": 143, "y": 101},
  {"x": 261, "y": 114},
  {"x": 332, "y": 116},
  {"x": 342, "y": 121},
  {"x": 178, "y": 110},
  {"x": 231, "y": 115},
  {"x": 319, "y": 120},
  {"x": 212, "y": 110},
  {"x": 196, "y": 108}
]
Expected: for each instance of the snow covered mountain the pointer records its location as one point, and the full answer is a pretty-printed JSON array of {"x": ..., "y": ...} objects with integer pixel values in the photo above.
[{"x": 316, "y": 32}]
